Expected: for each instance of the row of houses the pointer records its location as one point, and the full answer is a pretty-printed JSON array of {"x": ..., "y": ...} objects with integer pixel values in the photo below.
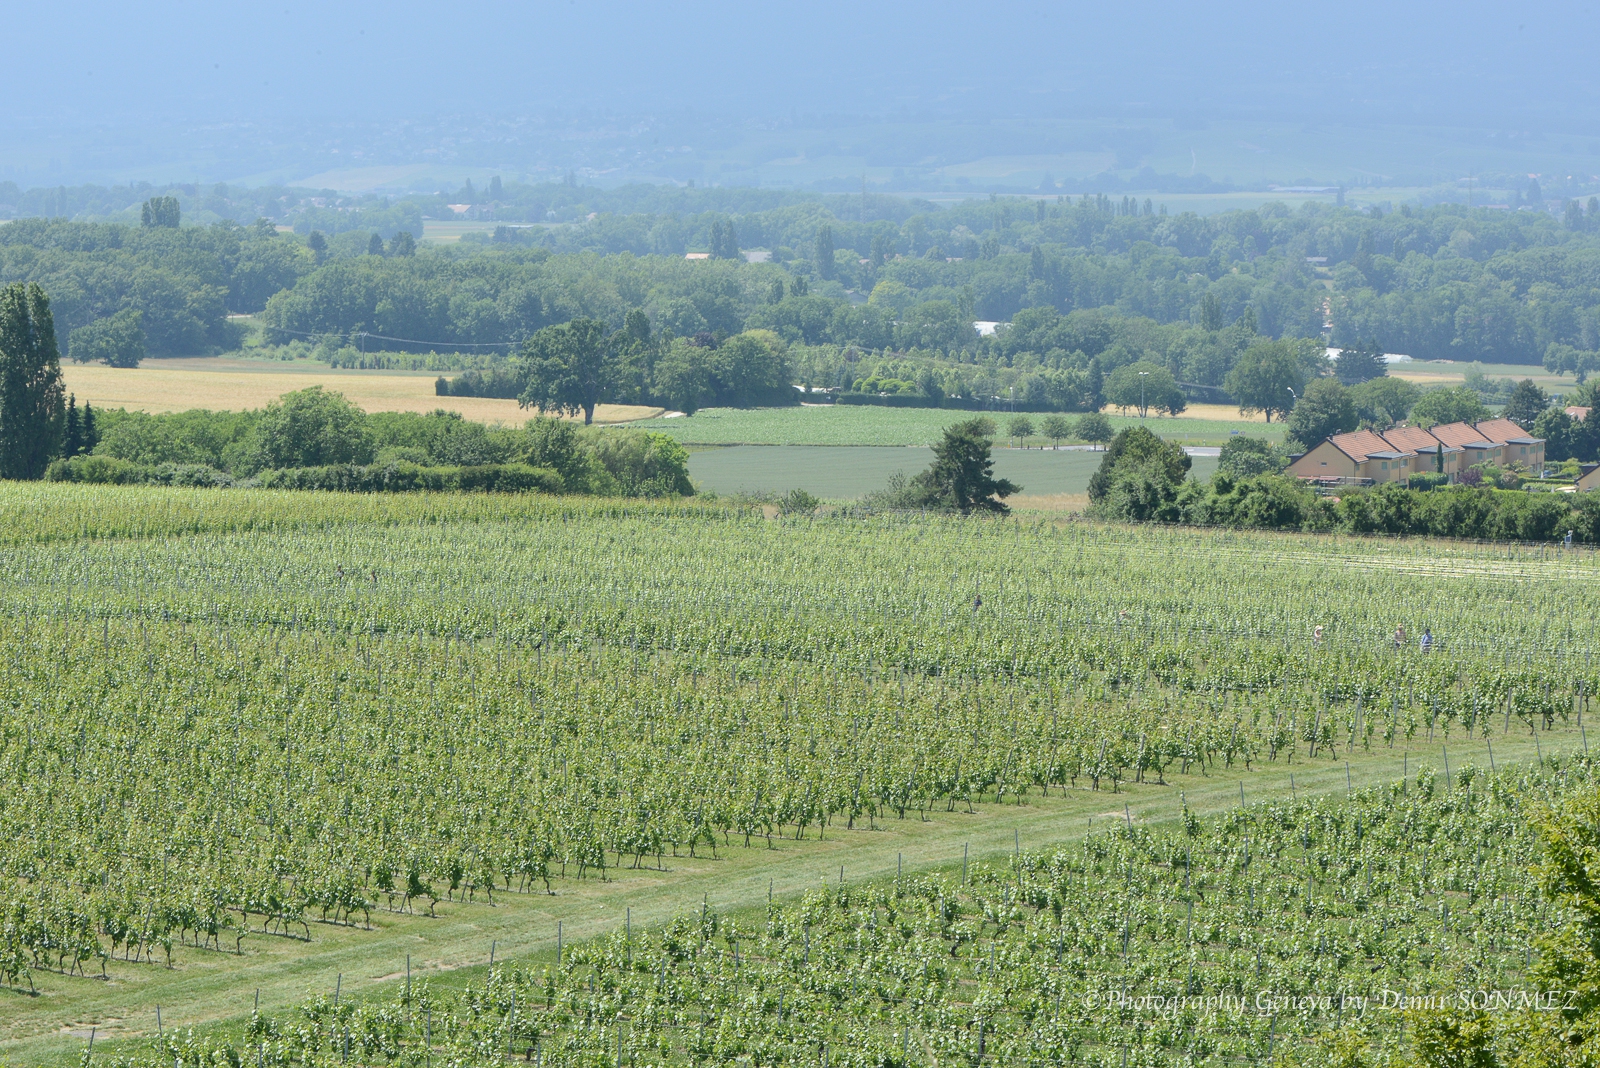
[{"x": 1368, "y": 457}]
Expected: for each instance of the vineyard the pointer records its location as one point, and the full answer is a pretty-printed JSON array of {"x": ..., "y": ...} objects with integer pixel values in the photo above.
[
  {"x": 240, "y": 725},
  {"x": 1292, "y": 930}
]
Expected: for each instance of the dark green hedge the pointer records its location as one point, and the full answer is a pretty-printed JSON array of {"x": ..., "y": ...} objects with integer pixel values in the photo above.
[
  {"x": 398, "y": 477},
  {"x": 1277, "y": 502}
]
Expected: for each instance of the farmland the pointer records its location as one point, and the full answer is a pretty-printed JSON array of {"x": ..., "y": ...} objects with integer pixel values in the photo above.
[
  {"x": 300, "y": 729},
  {"x": 849, "y": 424},
  {"x": 851, "y": 471},
  {"x": 223, "y": 384}
]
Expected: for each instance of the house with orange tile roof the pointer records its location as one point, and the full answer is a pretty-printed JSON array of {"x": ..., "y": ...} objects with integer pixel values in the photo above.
[
  {"x": 1361, "y": 456},
  {"x": 1368, "y": 457},
  {"x": 1578, "y": 414},
  {"x": 1475, "y": 448},
  {"x": 1427, "y": 447},
  {"x": 1515, "y": 445}
]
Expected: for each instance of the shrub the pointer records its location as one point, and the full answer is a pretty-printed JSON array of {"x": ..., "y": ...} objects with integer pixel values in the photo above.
[
  {"x": 640, "y": 464},
  {"x": 1133, "y": 448},
  {"x": 401, "y": 477},
  {"x": 106, "y": 470},
  {"x": 1245, "y": 457},
  {"x": 110, "y": 470},
  {"x": 310, "y": 428},
  {"x": 1261, "y": 502},
  {"x": 798, "y": 502},
  {"x": 1428, "y": 480}
]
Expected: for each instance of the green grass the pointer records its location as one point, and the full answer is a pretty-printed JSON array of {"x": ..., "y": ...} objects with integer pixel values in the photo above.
[
  {"x": 1459, "y": 368},
  {"x": 841, "y": 472},
  {"x": 850, "y": 424}
]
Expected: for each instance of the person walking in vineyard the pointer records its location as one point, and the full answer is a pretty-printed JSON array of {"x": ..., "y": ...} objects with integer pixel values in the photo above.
[
  {"x": 1400, "y": 637},
  {"x": 1316, "y": 636},
  {"x": 1425, "y": 643}
]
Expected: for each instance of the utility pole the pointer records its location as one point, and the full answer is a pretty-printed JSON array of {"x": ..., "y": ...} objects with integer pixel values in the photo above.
[{"x": 1142, "y": 409}]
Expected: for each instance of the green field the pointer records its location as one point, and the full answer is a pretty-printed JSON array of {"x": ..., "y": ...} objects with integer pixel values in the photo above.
[
  {"x": 1451, "y": 373},
  {"x": 851, "y": 424},
  {"x": 842, "y": 472},
  {"x": 899, "y": 790}
]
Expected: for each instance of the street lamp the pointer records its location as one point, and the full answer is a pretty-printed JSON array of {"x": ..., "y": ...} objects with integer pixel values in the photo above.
[
  {"x": 1293, "y": 394},
  {"x": 1142, "y": 408}
]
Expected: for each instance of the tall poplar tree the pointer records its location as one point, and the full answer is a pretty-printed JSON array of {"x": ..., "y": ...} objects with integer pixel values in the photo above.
[
  {"x": 825, "y": 265},
  {"x": 32, "y": 400},
  {"x": 160, "y": 212}
]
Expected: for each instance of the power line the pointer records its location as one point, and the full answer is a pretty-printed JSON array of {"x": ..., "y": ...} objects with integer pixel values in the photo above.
[{"x": 403, "y": 340}]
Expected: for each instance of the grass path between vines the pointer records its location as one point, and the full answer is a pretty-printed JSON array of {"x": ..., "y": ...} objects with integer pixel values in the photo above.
[{"x": 206, "y": 988}]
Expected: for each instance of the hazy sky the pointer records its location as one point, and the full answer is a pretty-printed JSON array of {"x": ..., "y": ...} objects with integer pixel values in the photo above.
[
  {"x": 1471, "y": 63},
  {"x": 292, "y": 90}
]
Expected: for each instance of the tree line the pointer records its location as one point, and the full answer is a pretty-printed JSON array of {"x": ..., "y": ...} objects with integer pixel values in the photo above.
[
  {"x": 307, "y": 439},
  {"x": 313, "y": 439},
  {"x": 1146, "y": 480},
  {"x": 1088, "y": 287},
  {"x": 119, "y": 293}
]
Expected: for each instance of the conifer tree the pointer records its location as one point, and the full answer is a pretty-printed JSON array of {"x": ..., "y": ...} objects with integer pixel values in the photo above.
[{"x": 72, "y": 436}]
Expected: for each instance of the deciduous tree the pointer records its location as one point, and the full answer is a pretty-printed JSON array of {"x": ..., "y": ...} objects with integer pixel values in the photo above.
[
  {"x": 1095, "y": 428},
  {"x": 116, "y": 341},
  {"x": 32, "y": 405},
  {"x": 1021, "y": 428},
  {"x": 1056, "y": 427},
  {"x": 1144, "y": 385},
  {"x": 310, "y": 428},
  {"x": 825, "y": 264},
  {"x": 1325, "y": 410},
  {"x": 1267, "y": 378},
  {"x": 1450, "y": 405},
  {"x": 568, "y": 368}
]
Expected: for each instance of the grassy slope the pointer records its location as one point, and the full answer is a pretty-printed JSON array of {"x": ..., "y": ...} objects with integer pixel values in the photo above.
[{"x": 210, "y": 988}]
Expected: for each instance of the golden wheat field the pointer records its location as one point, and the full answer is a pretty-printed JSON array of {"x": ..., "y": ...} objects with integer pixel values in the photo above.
[{"x": 221, "y": 384}]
